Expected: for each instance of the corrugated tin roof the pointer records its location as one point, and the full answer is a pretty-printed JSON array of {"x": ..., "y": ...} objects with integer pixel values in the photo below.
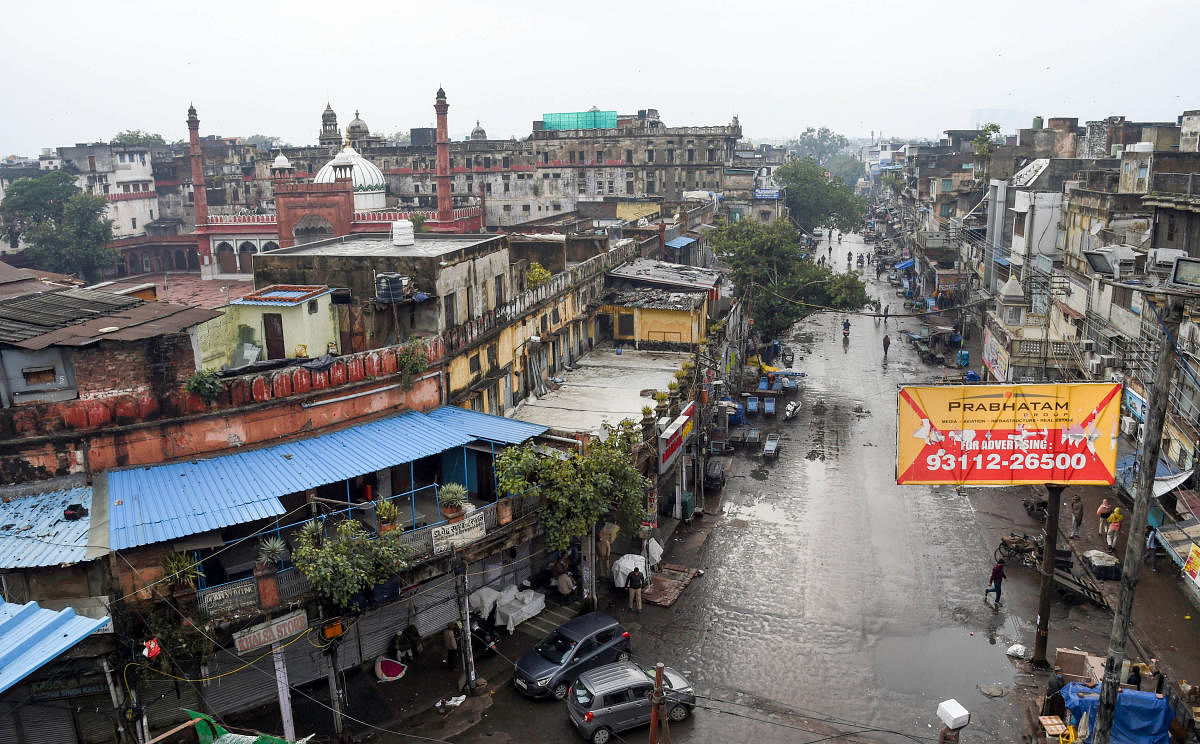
[
  {"x": 27, "y": 316},
  {"x": 284, "y": 295},
  {"x": 31, "y": 637},
  {"x": 485, "y": 425},
  {"x": 34, "y": 532},
  {"x": 680, "y": 242},
  {"x": 129, "y": 324},
  {"x": 159, "y": 503}
]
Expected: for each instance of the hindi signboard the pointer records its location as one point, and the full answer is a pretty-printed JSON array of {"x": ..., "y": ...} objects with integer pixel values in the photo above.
[
  {"x": 674, "y": 437},
  {"x": 446, "y": 536},
  {"x": 1008, "y": 434},
  {"x": 272, "y": 631}
]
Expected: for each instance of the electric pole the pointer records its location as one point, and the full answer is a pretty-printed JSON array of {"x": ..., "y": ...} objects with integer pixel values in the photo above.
[
  {"x": 1134, "y": 547},
  {"x": 1047, "y": 588},
  {"x": 460, "y": 581},
  {"x": 656, "y": 699}
]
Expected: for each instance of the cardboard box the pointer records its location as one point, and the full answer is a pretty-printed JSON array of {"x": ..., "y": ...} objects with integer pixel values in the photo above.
[{"x": 1074, "y": 665}]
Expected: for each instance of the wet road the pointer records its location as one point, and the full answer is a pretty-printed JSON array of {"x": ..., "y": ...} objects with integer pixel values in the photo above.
[{"x": 831, "y": 595}]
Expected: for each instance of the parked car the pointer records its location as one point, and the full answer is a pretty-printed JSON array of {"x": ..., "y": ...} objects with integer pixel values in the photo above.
[
  {"x": 616, "y": 697},
  {"x": 714, "y": 475},
  {"x": 575, "y": 647}
]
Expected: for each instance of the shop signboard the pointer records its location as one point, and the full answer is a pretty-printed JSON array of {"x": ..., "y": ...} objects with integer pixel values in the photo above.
[
  {"x": 468, "y": 530},
  {"x": 1136, "y": 404},
  {"x": 1192, "y": 566},
  {"x": 766, "y": 193},
  {"x": 995, "y": 356},
  {"x": 674, "y": 437},
  {"x": 272, "y": 631},
  {"x": 1008, "y": 434}
]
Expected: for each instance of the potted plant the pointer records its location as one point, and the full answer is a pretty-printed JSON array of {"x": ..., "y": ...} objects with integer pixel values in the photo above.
[
  {"x": 182, "y": 574},
  {"x": 451, "y": 498},
  {"x": 270, "y": 554},
  {"x": 386, "y": 515}
]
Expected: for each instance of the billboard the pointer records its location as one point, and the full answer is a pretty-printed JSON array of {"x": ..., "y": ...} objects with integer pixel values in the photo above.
[
  {"x": 995, "y": 356},
  {"x": 1008, "y": 434}
]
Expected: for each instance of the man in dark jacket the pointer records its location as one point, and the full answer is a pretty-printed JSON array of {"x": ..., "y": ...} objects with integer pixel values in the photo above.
[
  {"x": 995, "y": 580},
  {"x": 634, "y": 582}
]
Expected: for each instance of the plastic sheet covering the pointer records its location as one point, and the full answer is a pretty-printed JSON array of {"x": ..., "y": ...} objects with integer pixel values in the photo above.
[{"x": 1141, "y": 717}]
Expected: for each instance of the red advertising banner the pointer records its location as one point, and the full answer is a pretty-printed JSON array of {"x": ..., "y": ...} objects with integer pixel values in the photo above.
[{"x": 1008, "y": 434}]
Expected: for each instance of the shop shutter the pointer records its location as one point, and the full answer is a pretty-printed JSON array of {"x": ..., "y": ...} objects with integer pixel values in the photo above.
[
  {"x": 165, "y": 699},
  {"x": 45, "y": 724},
  {"x": 247, "y": 688},
  {"x": 8, "y": 724},
  {"x": 436, "y": 605},
  {"x": 377, "y": 628},
  {"x": 96, "y": 721}
]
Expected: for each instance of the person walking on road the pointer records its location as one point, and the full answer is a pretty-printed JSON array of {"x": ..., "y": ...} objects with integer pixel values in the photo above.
[
  {"x": 887, "y": 341},
  {"x": 1103, "y": 512},
  {"x": 603, "y": 551},
  {"x": 995, "y": 580},
  {"x": 1076, "y": 515},
  {"x": 1114, "y": 527},
  {"x": 450, "y": 639},
  {"x": 1151, "y": 555},
  {"x": 886, "y": 308},
  {"x": 635, "y": 582}
]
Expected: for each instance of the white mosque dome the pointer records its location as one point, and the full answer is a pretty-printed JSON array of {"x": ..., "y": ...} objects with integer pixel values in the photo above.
[
  {"x": 281, "y": 161},
  {"x": 364, "y": 175}
]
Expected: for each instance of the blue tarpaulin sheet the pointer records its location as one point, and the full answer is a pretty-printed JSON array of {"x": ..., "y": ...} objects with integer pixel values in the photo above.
[
  {"x": 681, "y": 242},
  {"x": 1140, "y": 718},
  {"x": 905, "y": 264}
]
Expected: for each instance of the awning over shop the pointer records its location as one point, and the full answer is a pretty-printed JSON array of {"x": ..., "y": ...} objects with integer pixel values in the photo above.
[
  {"x": 154, "y": 504},
  {"x": 905, "y": 264},
  {"x": 681, "y": 242},
  {"x": 33, "y": 637},
  {"x": 1166, "y": 478}
]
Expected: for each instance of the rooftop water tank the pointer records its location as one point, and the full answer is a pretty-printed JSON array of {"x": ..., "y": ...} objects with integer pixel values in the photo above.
[
  {"x": 1037, "y": 122},
  {"x": 389, "y": 287},
  {"x": 402, "y": 233}
]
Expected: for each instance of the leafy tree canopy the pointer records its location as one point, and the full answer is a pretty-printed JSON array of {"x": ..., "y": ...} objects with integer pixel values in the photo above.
[
  {"x": 818, "y": 144},
  {"x": 982, "y": 143},
  {"x": 846, "y": 167},
  {"x": 65, "y": 229},
  {"x": 575, "y": 490},
  {"x": 787, "y": 283},
  {"x": 349, "y": 561},
  {"x": 814, "y": 200},
  {"x": 137, "y": 137}
]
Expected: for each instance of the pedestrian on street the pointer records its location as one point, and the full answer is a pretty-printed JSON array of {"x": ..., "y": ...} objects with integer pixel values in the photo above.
[
  {"x": 566, "y": 587},
  {"x": 635, "y": 582},
  {"x": 603, "y": 551},
  {"x": 1151, "y": 555},
  {"x": 995, "y": 580},
  {"x": 1114, "y": 527},
  {"x": 1076, "y": 515},
  {"x": 1103, "y": 512},
  {"x": 450, "y": 639},
  {"x": 886, "y": 309},
  {"x": 887, "y": 341}
]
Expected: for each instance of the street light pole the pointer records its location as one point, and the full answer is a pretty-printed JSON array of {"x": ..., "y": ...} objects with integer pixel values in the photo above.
[
  {"x": 1046, "y": 596},
  {"x": 1135, "y": 544}
]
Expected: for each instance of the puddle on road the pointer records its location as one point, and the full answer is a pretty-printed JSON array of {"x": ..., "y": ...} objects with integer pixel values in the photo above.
[
  {"x": 949, "y": 662},
  {"x": 760, "y": 473}
]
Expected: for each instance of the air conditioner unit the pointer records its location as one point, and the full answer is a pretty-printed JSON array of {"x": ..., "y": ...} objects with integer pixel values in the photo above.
[
  {"x": 1163, "y": 258},
  {"x": 1128, "y": 425},
  {"x": 1088, "y": 344},
  {"x": 1094, "y": 366},
  {"x": 1108, "y": 360},
  {"x": 1141, "y": 432}
]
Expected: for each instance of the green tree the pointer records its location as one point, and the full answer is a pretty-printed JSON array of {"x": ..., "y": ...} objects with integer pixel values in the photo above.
[
  {"x": 137, "y": 137},
  {"x": 846, "y": 167},
  {"x": 814, "y": 200},
  {"x": 264, "y": 142},
  {"x": 66, "y": 230},
  {"x": 818, "y": 144},
  {"x": 349, "y": 561},
  {"x": 576, "y": 490},
  {"x": 769, "y": 263},
  {"x": 982, "y": 144}
]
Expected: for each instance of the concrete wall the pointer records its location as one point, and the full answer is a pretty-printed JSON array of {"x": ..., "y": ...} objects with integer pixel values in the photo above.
[
  {"x": 655, "y": 326},
  {"x": 313, "y": 330}
]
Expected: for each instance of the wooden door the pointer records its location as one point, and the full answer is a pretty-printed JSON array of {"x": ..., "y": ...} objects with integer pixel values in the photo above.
[{"x": 273, "y": 333}]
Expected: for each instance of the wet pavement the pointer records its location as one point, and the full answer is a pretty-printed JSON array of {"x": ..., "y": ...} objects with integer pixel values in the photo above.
[{"x": 831, "y": 599}]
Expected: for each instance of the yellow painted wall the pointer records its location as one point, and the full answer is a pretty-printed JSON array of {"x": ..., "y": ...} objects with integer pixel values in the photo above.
[
  {"x": 634, "y": 211},
  {"x": 217, "y": 339},
  {"x": 652, "y": 324}
]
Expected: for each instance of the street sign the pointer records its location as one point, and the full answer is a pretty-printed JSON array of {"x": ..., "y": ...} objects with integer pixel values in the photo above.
[
  {"x": 273, "y": 631},
  {"x": 1008, "y": 434},
  {"x": 671, "y": 441}
]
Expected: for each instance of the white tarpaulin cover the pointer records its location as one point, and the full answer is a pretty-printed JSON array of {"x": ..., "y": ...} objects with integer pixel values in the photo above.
[
  {"x": 1168, "y": 483},
  {"x": 624, "y": 566}
]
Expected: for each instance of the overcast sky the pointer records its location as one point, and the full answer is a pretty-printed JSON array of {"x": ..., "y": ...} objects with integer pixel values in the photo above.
[{"x": 82, "y": 71}]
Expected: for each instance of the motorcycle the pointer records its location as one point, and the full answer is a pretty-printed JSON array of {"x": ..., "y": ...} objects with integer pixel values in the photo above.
[
  {"x": 484, "y": 635},
  {"x": 1035, "y": 507}
]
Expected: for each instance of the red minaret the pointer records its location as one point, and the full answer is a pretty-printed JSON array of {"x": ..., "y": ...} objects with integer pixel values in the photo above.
[
  {"x": 445, "y": 206},
  {"x": 200, "y": 198}
]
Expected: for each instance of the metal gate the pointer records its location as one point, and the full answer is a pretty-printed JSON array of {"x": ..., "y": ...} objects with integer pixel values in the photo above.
[
  {"x": 46, "y": 724},
  {"x": 437, "y": 605}
]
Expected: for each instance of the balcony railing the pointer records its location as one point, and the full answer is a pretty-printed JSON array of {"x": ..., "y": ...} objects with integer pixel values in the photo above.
[{"x": 1175, "y": 183}]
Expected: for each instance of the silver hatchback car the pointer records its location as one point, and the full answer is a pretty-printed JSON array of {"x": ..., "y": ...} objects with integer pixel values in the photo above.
[{"x": 616, "y": 697}]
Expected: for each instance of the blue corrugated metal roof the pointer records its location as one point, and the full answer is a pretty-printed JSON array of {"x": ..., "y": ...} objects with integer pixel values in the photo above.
[
  {"x": 163, "y": 502},
  {"x": 905, "y": 264},
  {"x": 31, "y": 637},
  {"x": 34, "y": 532},
  {"x": 681, "y": 242},
  {"x": 485, "y": 425}
]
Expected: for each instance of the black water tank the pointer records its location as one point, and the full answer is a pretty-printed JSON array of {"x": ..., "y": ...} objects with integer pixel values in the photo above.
[{"x": 389, "y": 287}]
